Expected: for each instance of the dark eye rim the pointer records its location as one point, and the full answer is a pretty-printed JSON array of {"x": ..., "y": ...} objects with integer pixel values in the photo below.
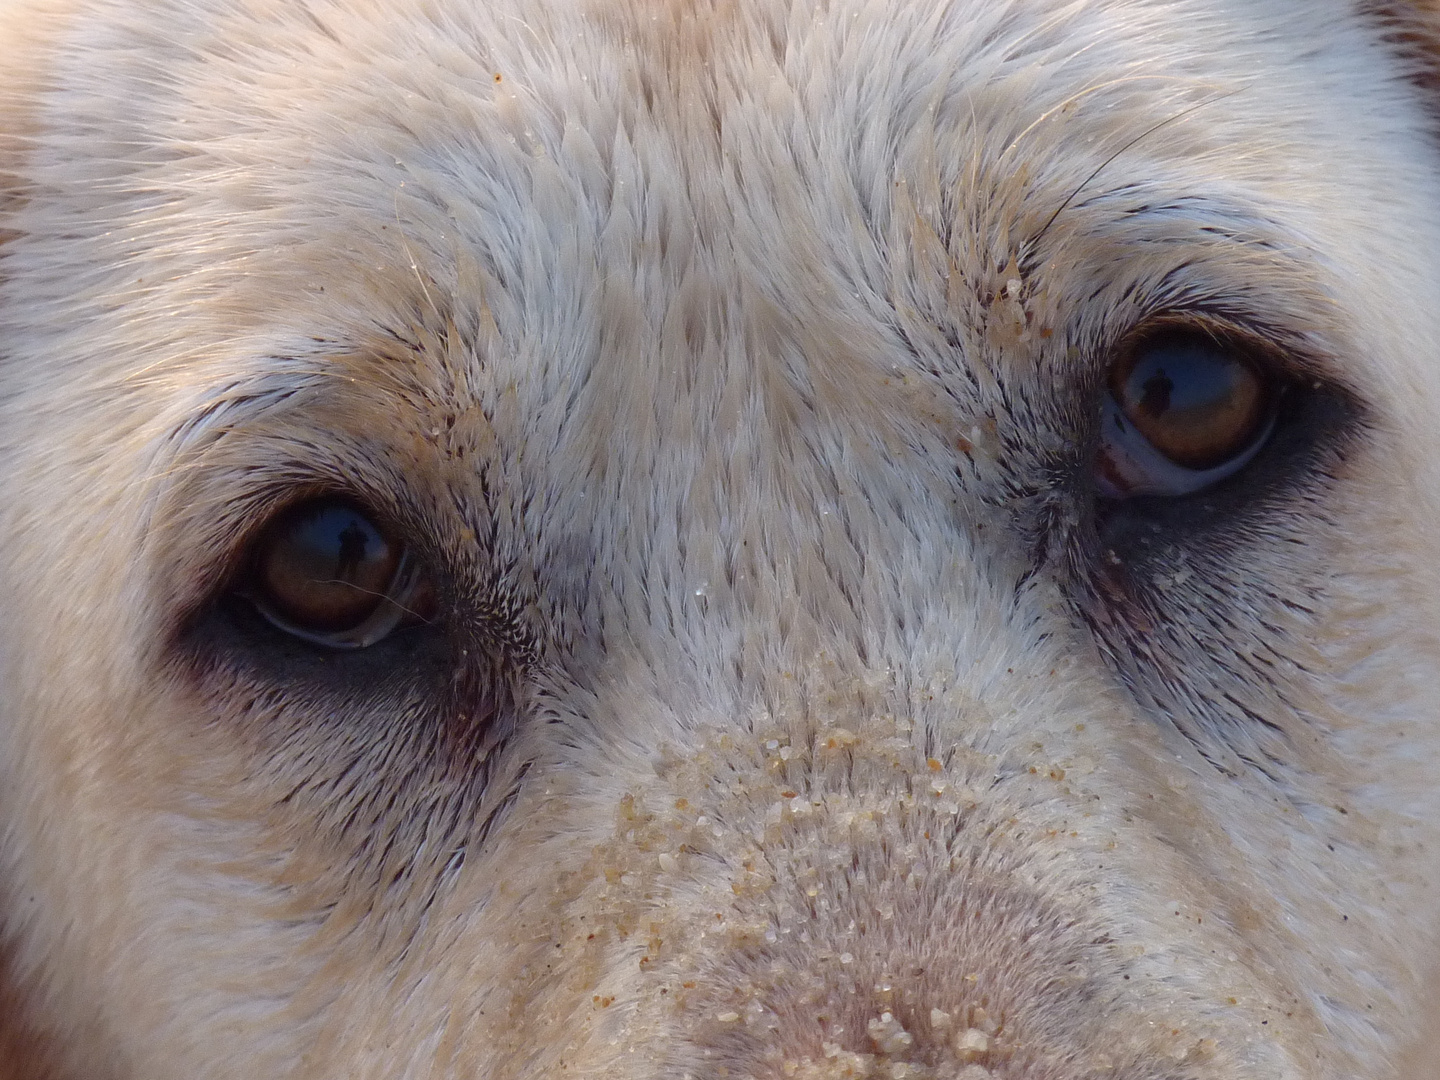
[
  {"x": 1268, "y": 349},
  {"x": 1258, "y": 351},
  {"x": 1321, "y": 419}
]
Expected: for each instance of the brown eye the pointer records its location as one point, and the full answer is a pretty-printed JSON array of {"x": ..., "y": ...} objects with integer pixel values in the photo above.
[
  {"x": 1195, "y": 400},
  {"x": 1186, "y": 410},
  {"x": 326, "y": 572}
]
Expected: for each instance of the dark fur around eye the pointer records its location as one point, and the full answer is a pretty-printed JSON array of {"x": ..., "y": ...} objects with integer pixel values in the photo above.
[
  {"x": 1312, "y": 425},
  {"x": 446, "y": 666}
]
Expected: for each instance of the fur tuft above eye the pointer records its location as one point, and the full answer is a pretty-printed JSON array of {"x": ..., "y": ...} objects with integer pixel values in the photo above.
[
  {"x": 1186, "y": 409},
  {"x": 324, "y": 571}
]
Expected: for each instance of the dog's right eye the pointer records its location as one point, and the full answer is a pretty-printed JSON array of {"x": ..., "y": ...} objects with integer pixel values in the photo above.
[
  {"x": 326, "y": 572},
  {"x": 1186, "y": 409}
]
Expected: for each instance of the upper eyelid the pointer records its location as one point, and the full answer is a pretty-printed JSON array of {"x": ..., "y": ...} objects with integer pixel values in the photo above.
[
  {"x": 1235, "y": 262},
  {"x": 1295, "y": 356}
]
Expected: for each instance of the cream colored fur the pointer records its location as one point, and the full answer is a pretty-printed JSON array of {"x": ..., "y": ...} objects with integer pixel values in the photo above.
[{"x": 740, "y": 356}]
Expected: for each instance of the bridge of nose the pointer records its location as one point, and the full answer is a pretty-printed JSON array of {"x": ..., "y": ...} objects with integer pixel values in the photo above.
[{"x": 887, "y": 871}]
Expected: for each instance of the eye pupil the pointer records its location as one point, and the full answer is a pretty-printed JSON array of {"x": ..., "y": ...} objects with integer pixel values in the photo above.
[
  {"x": 324, "y": 566},
  {"x": 1199, "y": 402},
  {"x": 1155, "y": 395}
]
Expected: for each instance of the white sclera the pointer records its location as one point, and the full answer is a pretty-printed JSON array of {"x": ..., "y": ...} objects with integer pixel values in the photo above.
[{"x": 1140, "y": 469}]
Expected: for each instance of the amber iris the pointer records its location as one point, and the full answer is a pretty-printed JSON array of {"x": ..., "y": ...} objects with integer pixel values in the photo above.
[
  {"x": 325, "y": 566},
  {"x": 1200, "y": 402}
]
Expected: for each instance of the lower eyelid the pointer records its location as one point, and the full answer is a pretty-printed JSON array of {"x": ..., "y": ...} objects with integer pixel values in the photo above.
[{"x": 1127, "y": 465}]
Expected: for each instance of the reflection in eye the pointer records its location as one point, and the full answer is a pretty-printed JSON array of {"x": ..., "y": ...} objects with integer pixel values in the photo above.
[
  {"x": 1185, "y": 411},
  {"x": 325, "y": 572}
]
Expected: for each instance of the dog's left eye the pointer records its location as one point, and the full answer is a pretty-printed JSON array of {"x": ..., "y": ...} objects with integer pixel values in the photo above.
[
  {"x": 1185, "y": 410},
  {"x": 326, "y": 572}
]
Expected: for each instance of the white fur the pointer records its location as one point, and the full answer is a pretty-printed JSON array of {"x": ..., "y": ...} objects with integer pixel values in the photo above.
[{"x": 728, "y": 347}]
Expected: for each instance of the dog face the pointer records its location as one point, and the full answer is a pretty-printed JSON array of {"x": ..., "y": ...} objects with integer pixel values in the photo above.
[{"x": 760, "y": 540}]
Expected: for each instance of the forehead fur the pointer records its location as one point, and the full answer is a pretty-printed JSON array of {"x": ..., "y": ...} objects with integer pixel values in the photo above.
[
  {"x": 448, "y": 172},
  {"x": 752, "y": 212}
]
